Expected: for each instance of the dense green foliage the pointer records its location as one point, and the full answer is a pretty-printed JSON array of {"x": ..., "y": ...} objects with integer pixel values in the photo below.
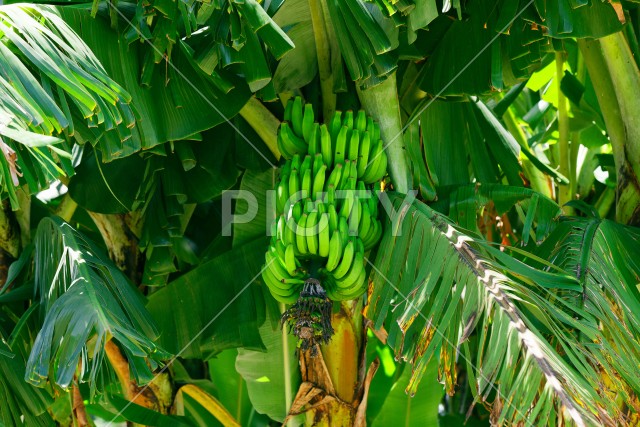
[{"x": 497, "y": 267}]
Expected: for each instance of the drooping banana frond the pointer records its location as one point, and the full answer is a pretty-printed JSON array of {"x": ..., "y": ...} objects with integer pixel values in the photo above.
[
  {"x": 49, "y": 78},
  {"x": 86, "y": 301},
  {"x": 603, "y": 256},
  {"x": 537, "y": 212},
  {"x": 215, "y": 34},
  {"x": 440, "y": 292}
]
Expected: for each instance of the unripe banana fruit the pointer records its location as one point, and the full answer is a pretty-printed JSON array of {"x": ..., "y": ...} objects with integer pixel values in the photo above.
[{"x": 326, "y": 214}]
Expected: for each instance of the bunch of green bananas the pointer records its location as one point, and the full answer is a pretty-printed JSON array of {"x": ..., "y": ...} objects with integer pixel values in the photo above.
[{"x": 326, "y": 206}]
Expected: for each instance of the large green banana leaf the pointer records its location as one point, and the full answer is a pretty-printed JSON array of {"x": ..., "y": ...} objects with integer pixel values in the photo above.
[{"x": 215, "y": 306}]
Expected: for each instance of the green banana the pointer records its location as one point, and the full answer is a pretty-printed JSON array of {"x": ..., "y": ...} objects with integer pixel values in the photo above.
[
  {"x": 306, "y": 165},
  {"x": 282, "y": 195},
  {"x": 354, "y": 217},
  {"x": 350, "y": 278},
  {"x": 343, "y": 227},
  {"x": 361, "y": 121},
  {"x": 288, "y": 296},
  {"x": 296, "y": 210},
  {"x": 320, "y": 207},
  {"x": 354, "y": 145},
  {"x": 314, "y": 140},
  {"x": 335, "y": 251},
  {"x": 345, "y": 264},
  {"x": 374, "y": 156},
  {"x": 294, "y": 183},
  {"x": 318, "y": 182},
  {"x": 331, "y": 194},
  {"x": 295, "y": 162},
  {"x": 291, "y": 142},
  {"x": 323, "y": 235},
  {"x": 276, "y": 267},
  {"x": 335, "y": 176},
  {"x": 301, "y": 238},
  {"x": 325, "y": 146},
  {"x": 347, "y": 204},
  {"x": 378, "y": 169},
  {"x": 346, "y": 172},
  {"x": 335, "y": 125},
  {"x": 281, "y": 224},
  {"x": 317, "y": 163},
  {"x": 363, "y": 157},
  {"x": 296, "y": 115},
  {"x": 333, "y": 218},
  {"x": 290, "y": 259},
  {"x": 287, "y": 111},
  {"x": 290, "y": 233},
  {"x": 358, "y": 288},
  {"x": 341, "y": 146},
  {"x": 347, "y": 120},
  {"x": 311, "y": 232},
  {"x": 306, "y": 183},
  {"x": 375, "y": 232},
  {"x": 282, "y": 147},
  {"x": 365, "y": 220},
  {"x": 307, "y": 122}
]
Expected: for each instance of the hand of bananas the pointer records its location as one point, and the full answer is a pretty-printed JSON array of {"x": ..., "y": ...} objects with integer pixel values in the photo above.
[{"x": 326, "y": 214}]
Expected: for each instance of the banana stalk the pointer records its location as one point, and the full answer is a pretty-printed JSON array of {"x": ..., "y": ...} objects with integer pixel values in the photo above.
[
  {"x": 263, "y": 122},
  {"x": 381, "y": 102},
  {"x": 616, "y": 80}
]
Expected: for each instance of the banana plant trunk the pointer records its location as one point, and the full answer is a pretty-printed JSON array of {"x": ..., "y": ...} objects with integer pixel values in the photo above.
[{"x": 334, "y": 379}]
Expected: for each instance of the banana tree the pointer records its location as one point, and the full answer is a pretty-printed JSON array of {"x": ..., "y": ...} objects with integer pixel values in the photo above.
[{"x": 462, "y": 248}]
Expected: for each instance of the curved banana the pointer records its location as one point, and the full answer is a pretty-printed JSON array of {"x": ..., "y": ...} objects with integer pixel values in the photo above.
[
  {"x": 335, "y": 176},
  {"x": 314, "y": 140},
  {"x": 365, "y": 220},
  {"x": 323, "y": 235},
  {"x": 349, "y": 279},
  {"x": 363, "y": 156},
  {"x": 318, "y": 183},
  {"x": 325, "y": 146},
  {"x": 317, "y": 163},
  {"x": 306, "y": 183},
  {"x": 292, "y": 142},
  {"x": 341, "y": 146},
  {"x": 335, "y": 251},
  {"x": 290, "y": 259},
  {"x": 301, "y": 238},
  {"x": 306, "y": 165},
  {"x": 311, "y": 232},
  {"x": 294, "y": 183},
  {"x": 361, "y": 121},
  {"x": 307, "y": 122},
  {"x": 296, "y": 115},
  {"x": 290, "y": 233},
  {"x": 333, "y": 218},
  {"x": 343, "y": 227},
  {"x": 282, "y": 195},
  {"x": 347, "y": 119},
  {"x": 346, "y": 173},
  {"x": 335, "y": 124},
  {"x": 282, "y": 147},
  {"x": 347, "y": 204},
  {"x": 354, "y": 145},
  {"x": 347, "y": 259}
]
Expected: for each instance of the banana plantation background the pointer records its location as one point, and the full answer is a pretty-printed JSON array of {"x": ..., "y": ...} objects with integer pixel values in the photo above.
[{"x": 505, "y": 291}]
